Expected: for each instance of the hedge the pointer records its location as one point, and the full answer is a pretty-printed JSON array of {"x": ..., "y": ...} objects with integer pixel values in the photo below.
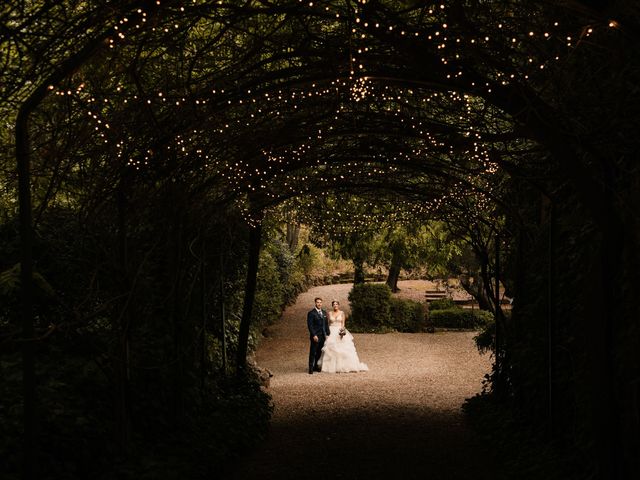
[
  {"x": 407, "y": 315},
  {"x": 373, "y": 309},
  {"x": 370, "y": 305},
  {"x": 459, "y": 318},
  {"x": 441, "y": 304}
]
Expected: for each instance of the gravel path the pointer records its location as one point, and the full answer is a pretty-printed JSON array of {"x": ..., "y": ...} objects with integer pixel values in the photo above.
[{"x": 401, "y": 419}]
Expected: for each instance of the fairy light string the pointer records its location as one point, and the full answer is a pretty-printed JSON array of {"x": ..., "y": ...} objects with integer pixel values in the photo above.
[{"x": 244, "y": 140}]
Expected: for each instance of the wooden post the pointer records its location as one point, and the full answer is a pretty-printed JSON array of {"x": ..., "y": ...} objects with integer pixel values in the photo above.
[
  {"x": 517, "y": 300},
  {"x": 255, "y": 234},
  {"x": 223, "y": 319},
  {"x": 551, "y": 322},
  {"x": 122, "y": 325},
  {"x": 498, "y": 335},
  {"x": 614, "y": 465},
  {"x": 26, "y": 293},
  {"x": 203, "y": 305}
]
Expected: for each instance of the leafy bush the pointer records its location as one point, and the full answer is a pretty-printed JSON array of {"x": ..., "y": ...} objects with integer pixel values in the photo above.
[
  {"x": 280, "y": 280},
  {"x": 291, "y": 270},
  {"x": 296, "y": 284},
  {"x": 373, "y": 309},
  {"x": 269, "y": 297},
  {"x": 485, "y": 339},
  {"x": 241, "y": 417},
  {"x": 219, "y": 422},
  {"x": 232, "y": 335},
  {"x": 442, "y": 304},
  {"x": 187, "y": 420},
  {"x": 370, "y": 305},
  {"x": 233, "y": 419},
  {"x": 460, "y": 318},
  {"x": 406, "y": 315},
  {"x": 307, "y": 258},
  {"x": 526, "y": 451}
]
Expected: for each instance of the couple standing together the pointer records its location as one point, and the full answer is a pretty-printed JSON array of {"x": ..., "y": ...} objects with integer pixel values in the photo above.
[{"x": 331, "y": 345}]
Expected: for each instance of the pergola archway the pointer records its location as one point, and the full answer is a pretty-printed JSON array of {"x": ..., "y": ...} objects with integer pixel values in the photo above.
[{"x": 259, "y": 102}]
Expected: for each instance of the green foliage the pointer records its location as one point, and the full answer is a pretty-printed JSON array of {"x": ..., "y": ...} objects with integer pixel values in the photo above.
[
  {"x": 232, "y": 335},
  {"x": 418, "y": 245},
  {"x": 459, "y": 318},
  {"x": 232, "y": 418},
  {"x": 442, "y": 304},
  {"x": 270, "y": 291},
  {"x": 374, "y": 309},
  {"x": 221, "y": 422},
  {"x": 239, "y": 418},
  {"x": 297, "y": 282},
  {"x": 296, "y": 268},
  {"x": 485, "y": 339},
  {"x": 143, "y": 196},
  {"x": 524, "y": 449},
  {"x": 74, "y": 418},
  {"x": 182, "y": 407},
  {"x": 10, "y": 285},
  {"x": 307, "y": 258},
  {"x": 406, "y": 315},
  {"x": 291, "y": 273},
  {"x": 10, "y": 282},
  {"x": 405, "y": 245},
  {"x": 314, "y": 265},
  {"x": 281, "y": 277},
  {"x": 10, "y": 411},
  {"x": 370, "y": 305}
]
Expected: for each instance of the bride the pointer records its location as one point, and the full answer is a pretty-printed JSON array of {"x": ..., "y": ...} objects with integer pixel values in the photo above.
[{"x": 339, "y": 352}]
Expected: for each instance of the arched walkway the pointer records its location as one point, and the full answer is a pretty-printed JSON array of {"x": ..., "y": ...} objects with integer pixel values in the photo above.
[{"x": 402, "y": 419}]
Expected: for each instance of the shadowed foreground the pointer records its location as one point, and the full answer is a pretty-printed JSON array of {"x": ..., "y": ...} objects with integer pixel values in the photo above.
[{"x": 402, "y": 419}]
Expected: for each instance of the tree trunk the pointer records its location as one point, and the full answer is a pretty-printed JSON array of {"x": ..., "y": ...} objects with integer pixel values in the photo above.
[
  {"x": 486, "y": 283},
  {"x": 518, "y": 299},
  {"x": 26, "y": 293},
  {"x": 203, "y": 313},
  {"x": 613, "y": 244},
  {"x": 255, "y": 234},
  {"x": 121, "y": 330},
  {"x": 223, "y": 319},
  {"x": 500, "y": 328},
  {"x": 293, "y": 234},
  {"x": 176, "y": 299},
  {"x": 358, "y": 266},
  {"x": 476, "y": 290},
  {"x": 551, "y": 322},
  {"x": 394, "y": 273}
]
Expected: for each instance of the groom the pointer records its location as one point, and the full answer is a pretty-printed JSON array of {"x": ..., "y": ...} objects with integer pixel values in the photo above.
[{"x": 318, "y": 324}]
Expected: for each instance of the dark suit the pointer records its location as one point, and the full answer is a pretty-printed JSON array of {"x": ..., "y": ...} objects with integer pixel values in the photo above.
[{"x": 318, "y": 324}]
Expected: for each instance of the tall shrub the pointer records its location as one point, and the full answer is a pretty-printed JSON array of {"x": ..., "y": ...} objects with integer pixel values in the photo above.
[
  {"x": 406, "y": 315},
  {"x": 370, "y": 305}
]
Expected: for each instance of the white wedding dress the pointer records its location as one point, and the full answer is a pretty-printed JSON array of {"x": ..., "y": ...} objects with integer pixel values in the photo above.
[{"x": 339, "y": 353}]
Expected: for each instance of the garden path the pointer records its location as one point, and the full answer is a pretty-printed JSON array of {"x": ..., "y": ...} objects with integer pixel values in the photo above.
[{"x": 402, "y": 419}]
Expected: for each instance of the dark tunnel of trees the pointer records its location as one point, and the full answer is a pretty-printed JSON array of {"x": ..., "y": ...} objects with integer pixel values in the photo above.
[{"x": 151, "y": 149}]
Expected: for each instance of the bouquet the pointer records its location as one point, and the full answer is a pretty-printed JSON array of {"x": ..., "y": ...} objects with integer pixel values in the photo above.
[{"x": 342, "y": 333}]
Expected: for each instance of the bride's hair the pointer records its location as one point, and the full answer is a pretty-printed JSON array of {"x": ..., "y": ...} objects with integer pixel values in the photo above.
[{"x": 333, "y": 302}]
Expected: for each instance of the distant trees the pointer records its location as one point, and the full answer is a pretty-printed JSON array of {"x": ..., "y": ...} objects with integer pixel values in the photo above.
[{"x": 424, "y": 245}]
